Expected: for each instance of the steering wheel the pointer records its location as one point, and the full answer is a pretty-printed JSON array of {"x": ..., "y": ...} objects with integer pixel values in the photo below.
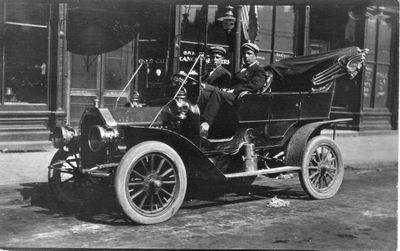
[{"x": 180, "y": 77}]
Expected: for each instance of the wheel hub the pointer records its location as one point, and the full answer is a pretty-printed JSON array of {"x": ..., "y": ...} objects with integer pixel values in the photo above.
[
  {"x": 152, "y": 183},
  {"x": 323, "y": 168}
]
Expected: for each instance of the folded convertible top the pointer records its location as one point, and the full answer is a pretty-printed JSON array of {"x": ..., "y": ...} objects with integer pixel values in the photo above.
[{"x": 298, "y": 72}]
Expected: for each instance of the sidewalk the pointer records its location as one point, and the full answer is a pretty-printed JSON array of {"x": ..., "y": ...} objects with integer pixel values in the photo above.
[
  {"x": 359, "y": 152},
  {"x": 368, "y": 151}
]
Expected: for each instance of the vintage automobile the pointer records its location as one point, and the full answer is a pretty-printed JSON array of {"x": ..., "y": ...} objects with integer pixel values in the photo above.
[{"x": 151, "y": 153}]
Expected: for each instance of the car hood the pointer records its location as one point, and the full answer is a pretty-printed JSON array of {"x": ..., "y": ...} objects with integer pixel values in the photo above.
[{"x": 124, "y": 116}]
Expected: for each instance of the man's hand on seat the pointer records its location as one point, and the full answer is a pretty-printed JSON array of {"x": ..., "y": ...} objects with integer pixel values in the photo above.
[
  {"x": 241, "y": 94},
  {"x": 204, "y": 127},
  {"x": 228, "y": 90}
]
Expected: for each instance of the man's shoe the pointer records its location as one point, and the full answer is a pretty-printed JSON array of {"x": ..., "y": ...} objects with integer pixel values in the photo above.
[{"x": 204, "y": 127}]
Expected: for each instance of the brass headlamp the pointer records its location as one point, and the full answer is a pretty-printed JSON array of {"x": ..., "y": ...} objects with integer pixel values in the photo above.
[
  {"x": 99, "y": 137},
  {"x": 64, "y": 135}
]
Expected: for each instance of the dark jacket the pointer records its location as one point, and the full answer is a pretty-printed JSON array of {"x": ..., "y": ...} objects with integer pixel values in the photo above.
[
  {"x": 220, "y": 78},
  {"x": 252, "y": 79}
]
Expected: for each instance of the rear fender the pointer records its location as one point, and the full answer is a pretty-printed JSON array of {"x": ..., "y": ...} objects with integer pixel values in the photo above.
[
  {"x": 298, "y": 142},
  {"x": 197, "y": 165}
]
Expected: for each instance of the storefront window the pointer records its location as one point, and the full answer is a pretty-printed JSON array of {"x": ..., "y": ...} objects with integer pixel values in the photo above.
[
  {"x": 26, "y": 12},
  {"x": 284, "y": 34},
  {"x": 215, "y": 33},
  {"x": 383, "y": 64},
  {"x": 193, "y": 34},
  {"x": 376, "y": 73},
  {"x": 116, "y": 68},
  {"x": 201, "y": 29},
  {"x": 275, "y": 41},
  {"x": 156, "y": 42},
  {"x": 264, "y": 36},
  {"x": 25, "y": 53},
  {"x": 370, "y": 35},
  {"x": 193, "y": 23},
  {"x": 84, "y": 71}
]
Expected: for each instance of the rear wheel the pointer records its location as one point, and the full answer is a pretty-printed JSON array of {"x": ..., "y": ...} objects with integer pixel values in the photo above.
[
  {"x": 322, "y": 168},
  {"x": 150, "y": 182}
]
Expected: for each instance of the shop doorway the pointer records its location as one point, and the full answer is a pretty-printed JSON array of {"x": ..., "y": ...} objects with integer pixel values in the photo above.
[{"x": 101, "y": 77}]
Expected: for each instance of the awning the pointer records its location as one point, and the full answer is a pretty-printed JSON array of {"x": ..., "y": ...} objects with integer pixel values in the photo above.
[{"x": 93, "y": 31}]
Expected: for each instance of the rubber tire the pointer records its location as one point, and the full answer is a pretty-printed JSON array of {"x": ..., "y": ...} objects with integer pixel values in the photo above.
[
  {"x": 121, "y": 176},
  {"x": 312, "y": 145}
]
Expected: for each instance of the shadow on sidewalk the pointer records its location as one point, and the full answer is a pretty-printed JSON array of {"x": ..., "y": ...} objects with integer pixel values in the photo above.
[{"x": 106, "y": 210}]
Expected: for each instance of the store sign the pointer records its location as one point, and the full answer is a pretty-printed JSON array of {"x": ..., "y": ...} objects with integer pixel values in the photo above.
[{"x": 190, "y": 56}]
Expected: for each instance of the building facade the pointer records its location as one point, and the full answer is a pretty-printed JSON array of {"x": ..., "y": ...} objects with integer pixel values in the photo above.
[{"x": 57, "y": 57}]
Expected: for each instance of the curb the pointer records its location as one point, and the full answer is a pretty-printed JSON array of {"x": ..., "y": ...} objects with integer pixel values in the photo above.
[
  {"x": 349, "y": 133},
  {"x": 371, "y": 165},
  {"x": 26, "y": 146}
]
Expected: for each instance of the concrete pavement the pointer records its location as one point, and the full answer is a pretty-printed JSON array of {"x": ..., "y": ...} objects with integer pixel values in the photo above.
[
  {"x": 368, "y": 150},
  {"x": 359, "y": 152}
]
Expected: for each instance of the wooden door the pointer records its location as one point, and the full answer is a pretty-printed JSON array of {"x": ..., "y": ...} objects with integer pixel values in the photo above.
[{"x": 101, "y": 76}]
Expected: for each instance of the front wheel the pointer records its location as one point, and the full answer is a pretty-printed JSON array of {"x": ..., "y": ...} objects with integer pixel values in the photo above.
[
  {"x": 150, "y": 182},
  {"x": 322, "y": 168},
  {"x": 70, "y": 186}
]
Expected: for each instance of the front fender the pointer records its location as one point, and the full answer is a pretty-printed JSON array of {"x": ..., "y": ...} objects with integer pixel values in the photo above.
[
  {"x": 298, "y": 142},
  {"x": 197, "y": 165}
]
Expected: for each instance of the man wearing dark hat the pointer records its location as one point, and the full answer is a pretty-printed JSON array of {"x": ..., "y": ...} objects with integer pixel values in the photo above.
[
  {"x": 216, "y": 76},
  {"x": 250, "y": 78}
]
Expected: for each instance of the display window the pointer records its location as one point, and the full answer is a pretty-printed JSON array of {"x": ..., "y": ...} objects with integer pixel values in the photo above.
[
  {"x": 275, "y": 32},
  {"x": 25, "y": 50}
]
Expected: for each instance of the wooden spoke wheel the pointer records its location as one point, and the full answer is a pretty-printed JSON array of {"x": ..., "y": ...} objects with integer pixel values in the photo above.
[
  {"x": 322, "y": 168},
  {"x": 66, "y": 180},
  {"x": 150, "y": 182}
]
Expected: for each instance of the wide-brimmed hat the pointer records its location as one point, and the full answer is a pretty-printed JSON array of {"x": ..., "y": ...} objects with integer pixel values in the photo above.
[
  {"x": 217, "y": 50},
  {"x": 250, "y": 46}
]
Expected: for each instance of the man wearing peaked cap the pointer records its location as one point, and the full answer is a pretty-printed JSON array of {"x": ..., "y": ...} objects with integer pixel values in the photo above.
[
  {"x": 249, "y": 79},
  {"x": 251, "y": 46},
  {"x": 216, "y": 76},
  {"x": 218, "y": 50}
]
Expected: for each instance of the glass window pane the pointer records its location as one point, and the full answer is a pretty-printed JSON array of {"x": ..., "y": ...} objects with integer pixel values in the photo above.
[
  {"x": 370, "y": 35},
  {"x": 385, "y": 37},
  {"x": 281, "y": 55},
  {"x": 264, "y": 15},
  {"x": 264, "y": 58},
  {"x": 188, "y": 54},
  {"x": 193, "y": 34},
  {"x": 367, "y": 84},
  {"x": 381, "y": 88},
  {"x": 115, "y": 68},
  {"x": 156, "y": 21},
  {"x": 25, "y": 64},
  {"x": 156, "y": 44},
  {"x": 84, "y": 71},
  {"x": 216, "y": 34},
  {"x": 193, "y": 22},
  {"x": 284, "y": 33},
  {"x": 156, "y": 54},
  {"x": 26, "y": 12}
]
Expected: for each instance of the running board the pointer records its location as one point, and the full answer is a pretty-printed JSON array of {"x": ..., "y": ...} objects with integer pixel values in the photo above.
[{"x": 263, "y": 171}]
